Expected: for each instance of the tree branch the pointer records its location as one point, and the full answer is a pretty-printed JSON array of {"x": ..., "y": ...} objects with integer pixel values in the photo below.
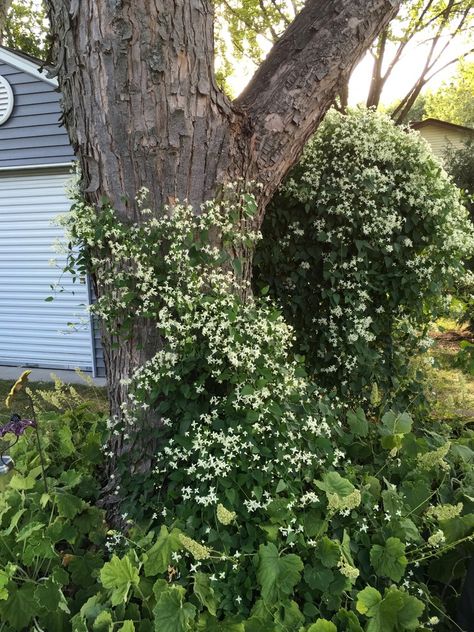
[
  {"x": 449, "y": 63},
  {"x": 293, "y": 88}
]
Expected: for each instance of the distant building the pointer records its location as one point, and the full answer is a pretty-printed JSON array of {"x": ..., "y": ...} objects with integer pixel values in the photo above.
[{"x": 441, "y": 134}]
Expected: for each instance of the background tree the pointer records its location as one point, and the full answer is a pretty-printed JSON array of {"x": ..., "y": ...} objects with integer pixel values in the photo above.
[
  {"x": 252, "y": 25},
  {"x": 437, "y": 23},
  {"x": 25, "y": 27},
  {"x": 454, "y": 101}
]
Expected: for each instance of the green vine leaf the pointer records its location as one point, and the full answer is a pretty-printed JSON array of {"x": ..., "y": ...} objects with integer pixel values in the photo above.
[
  {"x": 389, "y": 560},
  {"x": 334, "y": 483},
  {"x": 277, "y": 575},
  {"x": 157, "y": 559},
  {"x": 171, "y": 613},
  {"x": 205, "y": 593},
  {"x": 119, "y": 575},
  {"x": 322, "y": 625}
]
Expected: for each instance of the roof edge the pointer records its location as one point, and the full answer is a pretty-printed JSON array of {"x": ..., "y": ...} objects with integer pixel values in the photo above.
[
  {"x": 21, "y": 63},
  {"x": 433, "y": 121}
]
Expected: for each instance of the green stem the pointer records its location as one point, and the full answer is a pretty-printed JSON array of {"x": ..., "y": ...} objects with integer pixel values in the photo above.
[{"x": 40, "y": 452}]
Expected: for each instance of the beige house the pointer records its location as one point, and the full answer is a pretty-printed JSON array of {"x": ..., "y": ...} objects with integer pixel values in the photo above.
[{"x": 441, "y": 134}]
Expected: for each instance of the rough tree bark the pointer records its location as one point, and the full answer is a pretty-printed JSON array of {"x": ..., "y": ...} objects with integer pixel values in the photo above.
[{"x": 142, "y": 106}]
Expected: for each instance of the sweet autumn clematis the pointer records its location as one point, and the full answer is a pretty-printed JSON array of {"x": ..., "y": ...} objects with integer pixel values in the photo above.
[{"x": 17, "y": 387}]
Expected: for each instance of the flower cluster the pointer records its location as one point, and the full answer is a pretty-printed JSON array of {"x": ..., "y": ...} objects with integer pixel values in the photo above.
[{"x": 359, "y": 248}]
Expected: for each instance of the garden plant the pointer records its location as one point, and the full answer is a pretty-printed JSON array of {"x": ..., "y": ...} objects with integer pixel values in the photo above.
[
  {"x": 271, "y": 503},
  {"x": 361, "y": 248}
]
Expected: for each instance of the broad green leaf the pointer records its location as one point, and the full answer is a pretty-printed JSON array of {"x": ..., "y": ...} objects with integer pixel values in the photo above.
[
  {"x": 28, "y": 530},
  {"x": 410, "y": 613},
  {"x": 103, "y": 622},
  {"x": 334, "y": 483},
  {"x": 389, "y": 560},
  {"x": 128, "y": 626},
  {"x": 69, "y": 505},
  {"x": 317, "y": 577},
  {"x": 78, "y": 624},
  {"x": 347, "y": 621},
  {"x": 158, "y": 558},
  {"x": 329, "y": 552},
  {"x": 25, "y": 483},
  {"x": 277, "y": 575},
  {"x": 204, "y": 592},
  {"x": 66, "y": 446},
  {"x": 368, "y": 600},
  {"x": 13, "y": 521},
  {"x": 92, "y": 608},
  {"x": 289, "y": 617},
  {"x": 50, "y": 596},
  {"x": 20, "y": 606},
  {"x": 322, "y": 625},
  {"x": 208, "y": 623},
  {"x": 397, "y": 611},
  {"x": 457, "y": 528},
  {"x": 358, "y": 422},
  {"x": 395, "y": 423},
  {"x": 119, "y": 575},
  {"x": 172, "y": 613}
]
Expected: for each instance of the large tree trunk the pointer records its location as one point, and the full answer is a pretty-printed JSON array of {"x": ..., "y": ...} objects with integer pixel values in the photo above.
[{"x": 142, "y": 106}]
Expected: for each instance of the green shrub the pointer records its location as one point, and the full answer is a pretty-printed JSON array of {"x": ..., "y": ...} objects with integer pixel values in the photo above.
[
  {"x": 359, "y": 248},
  {"x": 51, "y": 539}
]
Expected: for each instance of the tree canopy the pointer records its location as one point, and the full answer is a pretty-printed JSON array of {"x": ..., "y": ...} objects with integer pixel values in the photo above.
[
  {"x": 250, "y": 27},
  {"x": 454, "y": 101},
  {"x": 25, "y": 27}
]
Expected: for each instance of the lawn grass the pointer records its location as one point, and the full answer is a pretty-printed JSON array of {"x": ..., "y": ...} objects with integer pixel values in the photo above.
[
  {"x": 95, "y": 396},
  {"x": 450, "y": 386}
]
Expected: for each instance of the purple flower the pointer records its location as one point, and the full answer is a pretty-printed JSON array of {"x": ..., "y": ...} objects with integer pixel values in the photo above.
[{"x": 16, "y": 426}]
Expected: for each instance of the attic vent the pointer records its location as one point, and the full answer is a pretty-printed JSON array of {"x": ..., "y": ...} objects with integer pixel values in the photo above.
[{"x": 6, "y": 100}]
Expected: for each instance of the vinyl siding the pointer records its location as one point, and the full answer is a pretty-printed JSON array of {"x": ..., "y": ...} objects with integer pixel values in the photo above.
[
  {"x": 32, "y": 135},
  {"x": 439, "y": 138},
  {"x": 34, "y": 332}
]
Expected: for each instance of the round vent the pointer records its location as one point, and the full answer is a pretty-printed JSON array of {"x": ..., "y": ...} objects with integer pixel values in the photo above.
[{"x": 6, "y": 100}]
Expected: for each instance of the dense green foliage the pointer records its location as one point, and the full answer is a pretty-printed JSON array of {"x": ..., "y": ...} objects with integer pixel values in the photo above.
[
  {"x": 360, "y": 247},
  {"x": 51, "y": 542},
  {"x": 374, "y": 549},
  {"x": 453, "y": 101},
  {"x": 460, "y": 165},
  {"x": 272, "y": 507},
  {"x": 26, "y": 28}
]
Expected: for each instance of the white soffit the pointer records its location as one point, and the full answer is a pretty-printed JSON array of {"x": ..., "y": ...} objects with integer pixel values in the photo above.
[{"x": 19, "y": 62}]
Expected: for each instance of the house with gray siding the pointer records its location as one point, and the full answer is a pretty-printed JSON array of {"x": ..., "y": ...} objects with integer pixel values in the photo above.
[{"x": 35, "y": 168}]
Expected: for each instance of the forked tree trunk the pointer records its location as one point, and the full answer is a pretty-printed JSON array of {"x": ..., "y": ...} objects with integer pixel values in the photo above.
[{"x": 142, "y": 106}]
